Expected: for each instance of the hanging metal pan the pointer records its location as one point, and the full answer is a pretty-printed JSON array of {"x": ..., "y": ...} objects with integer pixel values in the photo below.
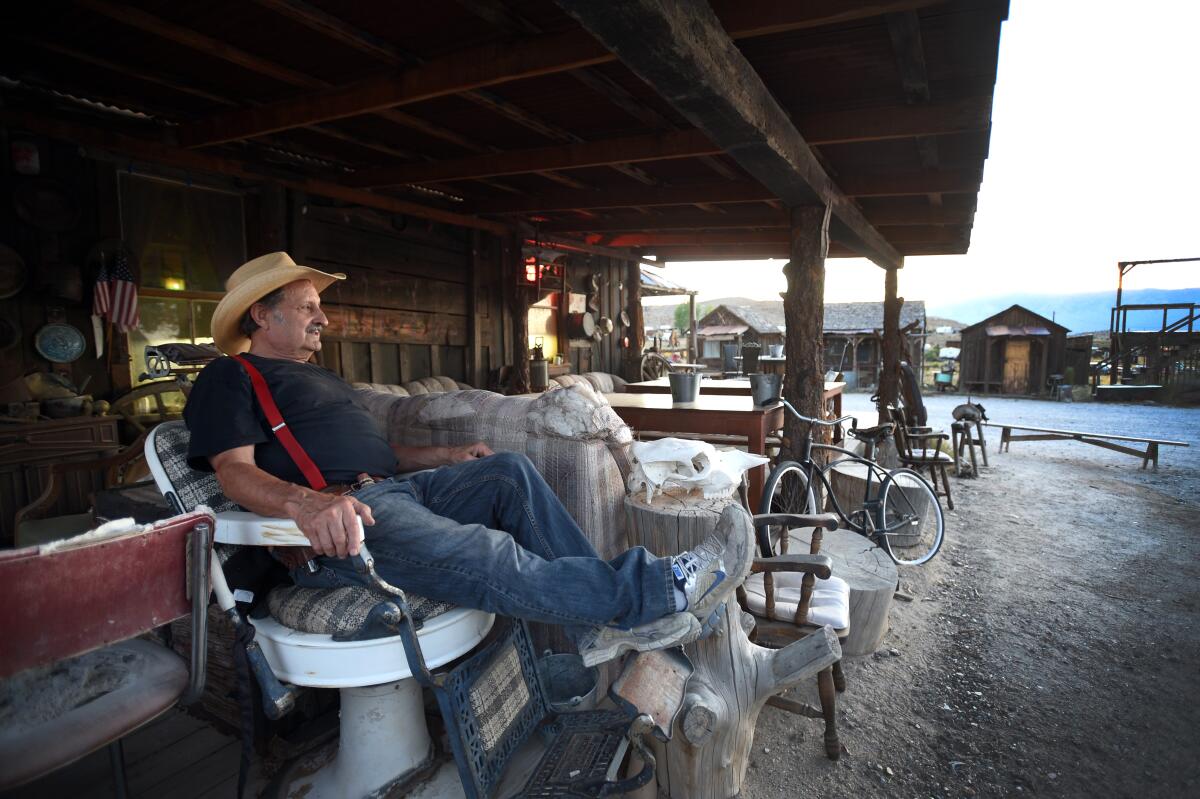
[{"x": 45, "y": 204}]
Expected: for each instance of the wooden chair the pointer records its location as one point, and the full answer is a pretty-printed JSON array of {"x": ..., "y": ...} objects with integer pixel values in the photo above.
[
  {"x": 792, "y": 596},
  {"x": 78, "y": 606},
  {"x": 919, "y": 449}
]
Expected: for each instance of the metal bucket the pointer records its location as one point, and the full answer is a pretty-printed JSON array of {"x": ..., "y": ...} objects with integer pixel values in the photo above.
[
  {"x": 766, "y": 389},
  {"x": 685, "y": 386},
  {"x": 774, "y": 350},
  {"x": 569, "y": 685},
  {"x": 539, "y": 374}
]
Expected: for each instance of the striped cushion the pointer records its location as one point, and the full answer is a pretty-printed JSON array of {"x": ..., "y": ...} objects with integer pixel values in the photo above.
[{"x": 338, "y": 611}]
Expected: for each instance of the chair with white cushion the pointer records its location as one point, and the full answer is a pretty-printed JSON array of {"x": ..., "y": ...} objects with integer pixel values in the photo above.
[
  {"x": 326, "y": 638},
  {"x": 792, "y": 596}
]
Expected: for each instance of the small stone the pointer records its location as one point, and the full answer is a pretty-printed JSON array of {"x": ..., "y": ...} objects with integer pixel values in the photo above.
[
  {"x": 1052, "y": 775},
  {"x": 766, "y": 750},
  {"x": 894, "y": 652},
  {"x": 889, "y": 771}
]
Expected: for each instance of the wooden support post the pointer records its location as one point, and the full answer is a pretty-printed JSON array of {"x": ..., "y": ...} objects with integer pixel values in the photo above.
[
  {"x": 889, "y": 376},
  {"x": 693, "y": 346},
  {"x": 637, "y": 336},
  {"x": 476, "y": 373},
  {"x": 510, "y": 268},
  {"x": 803, "y": 315}
]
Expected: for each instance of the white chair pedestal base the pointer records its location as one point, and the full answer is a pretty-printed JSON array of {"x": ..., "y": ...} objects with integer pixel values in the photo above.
[{"x": 382, "y": 738}]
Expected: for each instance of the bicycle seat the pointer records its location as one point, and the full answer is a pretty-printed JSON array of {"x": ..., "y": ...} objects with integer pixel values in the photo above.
[{"x": 872, "y": 435}]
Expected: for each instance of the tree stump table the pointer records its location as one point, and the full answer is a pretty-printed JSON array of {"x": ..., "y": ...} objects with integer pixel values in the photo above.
[
  {"x": 871, "y": 575},
  {"x": 709, "y": 750}
]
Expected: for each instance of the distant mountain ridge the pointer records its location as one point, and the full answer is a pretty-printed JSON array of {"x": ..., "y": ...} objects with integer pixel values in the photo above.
[{"x": 1079, "y": 313}]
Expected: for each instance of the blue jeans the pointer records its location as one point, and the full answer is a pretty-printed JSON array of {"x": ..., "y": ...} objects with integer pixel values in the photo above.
[{"x": 490, "y": 534}]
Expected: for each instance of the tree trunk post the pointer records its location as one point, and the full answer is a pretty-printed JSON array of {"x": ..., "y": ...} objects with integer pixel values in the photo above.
[
  {"x": 804, "y": 316},
  {"x": 513, "y": 267},
  {"x": 889, "y": 376},
  {"x": 637, "y": 328},
  {"x": 693, "y": 347}
]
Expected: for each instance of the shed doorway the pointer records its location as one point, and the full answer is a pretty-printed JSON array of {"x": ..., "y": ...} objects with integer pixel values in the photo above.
[{"x": 1016, "y": 366}]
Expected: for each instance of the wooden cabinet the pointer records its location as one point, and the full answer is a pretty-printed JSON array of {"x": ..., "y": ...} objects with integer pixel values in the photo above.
[{"x": 27, "y": 450}]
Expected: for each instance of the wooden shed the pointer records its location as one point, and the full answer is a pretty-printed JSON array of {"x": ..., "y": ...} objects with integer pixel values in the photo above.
[
  {"x": 1013, "y": 352},
  {"x": 738, "y": 324}
]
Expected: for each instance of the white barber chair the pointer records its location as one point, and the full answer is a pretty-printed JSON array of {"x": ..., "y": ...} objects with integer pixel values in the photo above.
[{"x": 383, "y": 736}]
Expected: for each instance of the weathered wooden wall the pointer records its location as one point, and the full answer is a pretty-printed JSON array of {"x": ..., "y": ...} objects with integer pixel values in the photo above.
[
  {"x": 56, "y": 278},
  {"x": 404, "y": 311},
  {"x": 604, "y": 354}
]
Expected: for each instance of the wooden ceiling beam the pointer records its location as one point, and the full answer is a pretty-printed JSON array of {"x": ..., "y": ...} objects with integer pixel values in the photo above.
[
  {"x": 904, "y": 184},
  {"x": 838, "y": 127},
  {"x": 950, "y": 181},
  {"x": 756, "y": 252},
  {"x": 649, "y": 241},
  {"x": 157, "y": 152},
  {"x": 681, "y": 50},
  {"x": 765, "y": 219},
  {"x": 647, "y": 196},
  {"x": 632, "y": 149},
  {"x": 503, "y": 61}
]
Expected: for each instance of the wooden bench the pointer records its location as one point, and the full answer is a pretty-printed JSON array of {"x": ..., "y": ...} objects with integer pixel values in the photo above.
[{"x": 1105, "y": 440}]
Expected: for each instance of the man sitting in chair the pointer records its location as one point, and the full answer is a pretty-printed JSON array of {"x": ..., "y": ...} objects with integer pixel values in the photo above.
[{"x": 477, "y": 529}]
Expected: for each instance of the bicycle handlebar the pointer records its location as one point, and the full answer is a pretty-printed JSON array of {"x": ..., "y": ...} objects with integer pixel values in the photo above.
[{"x": 822, "y": 422}]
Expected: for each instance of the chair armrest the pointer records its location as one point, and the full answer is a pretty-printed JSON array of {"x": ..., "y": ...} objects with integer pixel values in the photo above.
[
  {"x": 826, "y": 521},
  {"x": 250, "y": 529},
  {"x": 817, "y": 565},
  {"x": 929, "y": 436}
]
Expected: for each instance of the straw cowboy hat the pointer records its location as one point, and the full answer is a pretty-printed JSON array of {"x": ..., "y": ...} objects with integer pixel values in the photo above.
[{"x": 251, "y": 282}]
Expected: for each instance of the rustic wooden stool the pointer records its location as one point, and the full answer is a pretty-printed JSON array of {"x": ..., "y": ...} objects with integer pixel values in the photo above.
[{"x": 963, "y": 437}]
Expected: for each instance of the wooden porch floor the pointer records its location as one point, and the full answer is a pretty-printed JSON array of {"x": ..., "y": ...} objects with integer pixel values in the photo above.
[{"x": 175, "y": 757}]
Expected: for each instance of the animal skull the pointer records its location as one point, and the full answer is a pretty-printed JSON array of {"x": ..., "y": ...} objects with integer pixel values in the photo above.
[{"x": 691, "y": 465}]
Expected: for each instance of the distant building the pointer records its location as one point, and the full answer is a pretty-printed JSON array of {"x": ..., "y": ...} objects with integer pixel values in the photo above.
[
  {"x": 853, "y": 332},
  {"x": 738, "y": 325},
  {"x": 1013, "y": 352}
]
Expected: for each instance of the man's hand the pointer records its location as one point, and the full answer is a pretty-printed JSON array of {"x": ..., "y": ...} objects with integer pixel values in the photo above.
[
  {"x": 330, "y": 522},
  {"x": 468, "y": 452}
]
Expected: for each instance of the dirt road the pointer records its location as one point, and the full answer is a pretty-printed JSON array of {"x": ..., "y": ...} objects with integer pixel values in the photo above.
[{"x": 1052, "y": 648}]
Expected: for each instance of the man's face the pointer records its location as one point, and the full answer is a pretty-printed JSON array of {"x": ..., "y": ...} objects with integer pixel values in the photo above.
[{"x": 292, "y": 329}]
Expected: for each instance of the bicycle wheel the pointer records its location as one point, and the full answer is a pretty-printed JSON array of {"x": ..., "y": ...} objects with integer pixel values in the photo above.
[
  {"x": 786, "y": 491},
  {"x": 913, "y": 525}
]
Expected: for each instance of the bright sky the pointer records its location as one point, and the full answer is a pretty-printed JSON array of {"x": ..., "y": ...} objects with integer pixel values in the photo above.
[{"x": 1094, "y": 159}]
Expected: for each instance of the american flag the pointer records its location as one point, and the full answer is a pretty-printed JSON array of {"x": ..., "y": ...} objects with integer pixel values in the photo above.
[{"x": 116, "y": 295}]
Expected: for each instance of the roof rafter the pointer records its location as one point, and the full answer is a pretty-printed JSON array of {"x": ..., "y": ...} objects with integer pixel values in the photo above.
[
  {"x": 837, "y": 127},
  {"x": 500, "y": 62},
  {"x": 681, "y": 50}
]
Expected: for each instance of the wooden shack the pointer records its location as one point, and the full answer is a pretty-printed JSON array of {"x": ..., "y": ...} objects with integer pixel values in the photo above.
[
  {"x": 738, "y": 324},
  {"x": 1013, "y": 352}
]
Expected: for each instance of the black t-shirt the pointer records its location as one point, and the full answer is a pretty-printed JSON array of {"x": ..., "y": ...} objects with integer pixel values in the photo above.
[{"x": 322, "y": 411}]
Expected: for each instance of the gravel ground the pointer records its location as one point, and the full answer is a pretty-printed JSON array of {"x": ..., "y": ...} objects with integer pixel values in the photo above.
[{"x": 1051, "y": 648}]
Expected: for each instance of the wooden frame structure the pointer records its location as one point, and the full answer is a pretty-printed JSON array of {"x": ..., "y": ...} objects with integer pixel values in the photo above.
[{"x": 419, "y": 150}]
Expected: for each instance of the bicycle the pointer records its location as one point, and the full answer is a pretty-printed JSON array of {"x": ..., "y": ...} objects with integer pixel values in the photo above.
[{"x": 903, "y": 519}]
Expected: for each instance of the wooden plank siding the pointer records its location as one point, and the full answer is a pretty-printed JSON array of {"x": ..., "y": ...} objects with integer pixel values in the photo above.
[{"x": 404, "y": 311}]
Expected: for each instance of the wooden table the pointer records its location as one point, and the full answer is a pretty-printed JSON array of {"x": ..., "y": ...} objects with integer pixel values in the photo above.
[
  {"x": 710, "y": 414},
  {"x": 739, "y": 387}
]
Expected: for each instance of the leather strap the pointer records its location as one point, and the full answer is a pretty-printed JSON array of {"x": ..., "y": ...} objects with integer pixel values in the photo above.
[{"x": 279, "y": 427}]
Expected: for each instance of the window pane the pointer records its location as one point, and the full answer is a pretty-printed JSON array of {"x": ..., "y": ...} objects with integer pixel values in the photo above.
[
  {"x": 202, "y": 311},
  {"x": 163, "y": 321}
]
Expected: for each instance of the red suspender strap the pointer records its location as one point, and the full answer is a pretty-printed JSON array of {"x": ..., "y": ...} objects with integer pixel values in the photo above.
[{"x": 279, "y": 427}]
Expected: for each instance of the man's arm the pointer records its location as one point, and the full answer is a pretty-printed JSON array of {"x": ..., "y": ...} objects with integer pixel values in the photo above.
[
  {"x": 411, "y": 459},
  {"x": 327, "y": 520}
]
